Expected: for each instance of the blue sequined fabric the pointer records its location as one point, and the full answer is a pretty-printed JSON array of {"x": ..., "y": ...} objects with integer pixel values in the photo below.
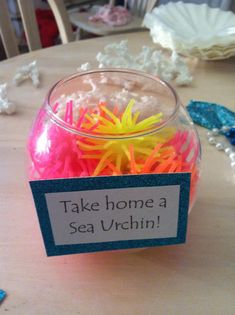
[
  {"x": 2, "y": 295},
  {"x": 230, "y": 135},
  {"x": 210, "y": 115}
]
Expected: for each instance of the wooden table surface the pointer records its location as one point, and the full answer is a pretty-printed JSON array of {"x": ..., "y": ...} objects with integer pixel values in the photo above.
[{"x": 195, "y": 278}]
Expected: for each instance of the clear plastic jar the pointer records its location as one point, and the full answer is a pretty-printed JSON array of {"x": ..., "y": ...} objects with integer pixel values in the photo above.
[{"x": 113, "y": 122}]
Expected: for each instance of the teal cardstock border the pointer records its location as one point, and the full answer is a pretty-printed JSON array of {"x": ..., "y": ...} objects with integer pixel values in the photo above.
[{"x": 41, "y": 187}]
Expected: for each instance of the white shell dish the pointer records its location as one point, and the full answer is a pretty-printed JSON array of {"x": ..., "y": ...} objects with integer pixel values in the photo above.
[{"x": 193, "y": 29}]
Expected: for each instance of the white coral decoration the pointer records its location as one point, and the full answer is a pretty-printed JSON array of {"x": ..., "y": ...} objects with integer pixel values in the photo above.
[
  {"x": 84, "y": 67},
  {"x": 183, "y": 76},
  {"x": 26, "y": 72},
  {"x": 117, "y": 55},
  {"x": 6, "y": 106}
]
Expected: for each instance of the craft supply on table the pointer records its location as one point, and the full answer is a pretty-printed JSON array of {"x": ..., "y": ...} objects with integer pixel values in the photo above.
[
  {"x": 3, "y": 295},
  {"x": 26, "y": 72},
  {"x": 193, "y": 29},
  {"x": 113, "y": 122},
  {"x": 210, "y": 115},
  {"x": 220, "y": 120},
  {"x": 6, "y": 106},
  {"x": 217, "y": 137},
  {"x": 150, "y": 60}
]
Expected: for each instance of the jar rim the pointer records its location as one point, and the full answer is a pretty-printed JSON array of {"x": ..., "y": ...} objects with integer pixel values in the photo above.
[{"x": 60, "y": 122}]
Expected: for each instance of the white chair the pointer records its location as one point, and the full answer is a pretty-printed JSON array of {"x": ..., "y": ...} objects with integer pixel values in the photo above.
[
  {"x": 30, "y": 25},
  {"x": 140, "y": 7},
  {"x": 137, "y": 7}
]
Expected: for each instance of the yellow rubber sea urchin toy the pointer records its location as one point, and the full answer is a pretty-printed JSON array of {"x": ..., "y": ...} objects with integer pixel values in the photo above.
[{"x": 128, "y": 146}]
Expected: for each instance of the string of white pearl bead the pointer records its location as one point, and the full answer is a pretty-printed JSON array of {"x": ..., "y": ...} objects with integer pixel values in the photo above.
[{"x": 214, "y": 138}]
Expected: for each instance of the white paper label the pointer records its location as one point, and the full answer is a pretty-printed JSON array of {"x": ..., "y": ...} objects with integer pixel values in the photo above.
[{"x": 106, "y": 215}]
